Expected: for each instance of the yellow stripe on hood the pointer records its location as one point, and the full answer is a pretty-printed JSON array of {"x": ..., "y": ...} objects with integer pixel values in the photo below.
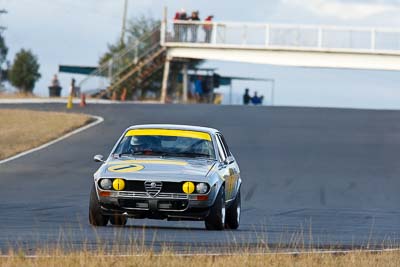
[{"x": 167, "y": 132}]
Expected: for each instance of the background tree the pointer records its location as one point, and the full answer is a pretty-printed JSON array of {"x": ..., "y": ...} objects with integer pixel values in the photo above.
[
  {"x": 24, "y": 71},
  {"x": 3, "y": 50},
  {"x": 3, "y": 57},
  {"x": 137, "y": 28}
]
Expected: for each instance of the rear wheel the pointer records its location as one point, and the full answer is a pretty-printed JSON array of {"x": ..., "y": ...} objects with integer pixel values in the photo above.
[
  {"x": 233, "y": 213},
  {"x": 216, "y": 219},
  {"x": 96, "y": 218},
  {"x": 118, "y": 220}
]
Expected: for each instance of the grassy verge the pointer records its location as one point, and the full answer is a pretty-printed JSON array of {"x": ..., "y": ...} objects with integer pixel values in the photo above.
[
  {"x": 25, "y": 129},
  {"x": 17, "y": 95},
  {"x": 166, "y": 259}
]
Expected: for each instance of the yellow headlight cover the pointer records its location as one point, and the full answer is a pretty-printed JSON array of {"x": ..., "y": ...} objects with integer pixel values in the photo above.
[
  {"x": 188, "y": 187},
  {"x": 119, "y": 184}
]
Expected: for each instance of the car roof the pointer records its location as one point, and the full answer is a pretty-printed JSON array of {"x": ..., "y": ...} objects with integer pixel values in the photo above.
[{"x": 175, "y": 127}]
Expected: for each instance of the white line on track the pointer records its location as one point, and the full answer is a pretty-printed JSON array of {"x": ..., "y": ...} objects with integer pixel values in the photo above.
[
  {"x": 98, "y": 120},
  {"x": 289, "y": 253},
  {"x": 65, "y": 100}
]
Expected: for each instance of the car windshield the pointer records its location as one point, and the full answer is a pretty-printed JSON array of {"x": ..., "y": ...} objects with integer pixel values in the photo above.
[{"x": 160, "y": 142}]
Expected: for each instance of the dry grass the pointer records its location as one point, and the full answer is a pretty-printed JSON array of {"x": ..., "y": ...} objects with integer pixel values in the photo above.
[
  {"x": 25, "y": 129},
  {"x": 17, "y": 95},
  {"x": 362, "y": 259}
]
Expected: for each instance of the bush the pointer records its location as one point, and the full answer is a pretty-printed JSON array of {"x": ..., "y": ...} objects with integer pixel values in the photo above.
[{"x": 24, "y": 71}]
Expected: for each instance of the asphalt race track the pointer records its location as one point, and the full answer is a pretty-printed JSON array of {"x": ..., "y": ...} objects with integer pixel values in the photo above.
[{"x": 311, "y": 177}]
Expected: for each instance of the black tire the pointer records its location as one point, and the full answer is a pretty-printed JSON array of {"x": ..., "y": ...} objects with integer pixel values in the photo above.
[
  {"x": 96, "y": 218},
  {"x": 118, "y": 220},
  {"x": 233, "y": 213},
  {"x": 216, "y": 218}
]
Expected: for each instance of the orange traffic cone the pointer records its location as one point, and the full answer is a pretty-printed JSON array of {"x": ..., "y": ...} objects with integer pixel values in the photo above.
[
  {"x": 123, "y": 95},
  {"x": 83, "y": 100}
]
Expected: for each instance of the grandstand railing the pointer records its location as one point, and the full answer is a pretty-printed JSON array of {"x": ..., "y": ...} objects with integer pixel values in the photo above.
[{"x": 292, "y": 37}]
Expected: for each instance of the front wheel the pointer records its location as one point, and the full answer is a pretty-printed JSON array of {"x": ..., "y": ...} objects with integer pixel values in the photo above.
[
  {"x": 233, "y": 213},
  {"x": 96, "y": 218},
  {"x": 216, "y": 219}
]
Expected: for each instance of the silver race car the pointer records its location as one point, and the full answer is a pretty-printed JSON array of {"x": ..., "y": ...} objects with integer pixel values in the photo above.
[{"x": 172, "y": 172}]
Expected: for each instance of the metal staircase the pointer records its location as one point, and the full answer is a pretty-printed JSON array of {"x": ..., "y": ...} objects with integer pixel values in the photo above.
[{"x": 130, "y": 69}]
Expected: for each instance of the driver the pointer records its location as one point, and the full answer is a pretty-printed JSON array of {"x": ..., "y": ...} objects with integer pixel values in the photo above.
[{"x": 145, "y": 144}]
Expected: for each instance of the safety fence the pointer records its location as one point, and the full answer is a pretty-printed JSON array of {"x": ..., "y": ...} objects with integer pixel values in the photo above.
[{"x": 283, "y": 36}]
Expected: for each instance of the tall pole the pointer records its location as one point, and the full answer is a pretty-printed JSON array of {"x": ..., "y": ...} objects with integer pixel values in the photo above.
[
  {"x": 273, "y": 92},
  {"x": 165, "y": 81},
  {"x": 124, "y": 22},
  {"x": 230, "y": 93},
  {"x": 185, "y": 82}
]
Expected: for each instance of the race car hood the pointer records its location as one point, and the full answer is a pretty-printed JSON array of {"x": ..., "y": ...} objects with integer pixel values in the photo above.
[{"x": 156, "y": 169}]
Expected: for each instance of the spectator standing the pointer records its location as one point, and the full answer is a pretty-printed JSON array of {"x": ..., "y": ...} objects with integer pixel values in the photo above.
[
  {"x": 183, "y": 27},
  {"x": 55, "y": 88},
  {"x": 72, "y": 88},
  {"x": 192, "y": 90},
  {"x": 208, "y": 28},
  {"x": 194, "y": 27},
  {"x": 256, "y": 100},
  {"x": 198, "y": 85},
  {"x": 55, "y": 82},
  {"x": 176, "y": 26},
  {"x": 246, "y": 97}
]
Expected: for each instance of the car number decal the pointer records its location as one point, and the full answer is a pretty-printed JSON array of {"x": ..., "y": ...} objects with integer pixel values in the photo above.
[{"x": 125, "y": 168}]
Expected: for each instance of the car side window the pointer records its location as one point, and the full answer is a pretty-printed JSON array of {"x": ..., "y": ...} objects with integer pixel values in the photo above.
[
  {"x": 222, "y": 153},
  {"x": 228, "y": 152}
]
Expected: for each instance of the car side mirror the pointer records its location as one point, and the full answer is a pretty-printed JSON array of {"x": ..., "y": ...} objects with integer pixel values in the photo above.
[
  {"x": 98, "y": 158},
  {"x": 229, "y": 160}
]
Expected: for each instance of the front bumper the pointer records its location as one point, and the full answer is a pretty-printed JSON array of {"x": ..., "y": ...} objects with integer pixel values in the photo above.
[{"x": 171, "y": 206}]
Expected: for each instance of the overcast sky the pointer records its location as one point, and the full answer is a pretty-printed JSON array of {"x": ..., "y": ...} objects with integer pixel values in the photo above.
[{"x": 77, "y": 32}]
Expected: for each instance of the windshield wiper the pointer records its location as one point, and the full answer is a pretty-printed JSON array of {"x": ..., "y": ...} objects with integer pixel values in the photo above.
[
  {"x": 149, "y": 153},
  {"x": 122, "y": 154},
  {"x": 166, "y": 154},
  {"x": 189, "y": 154}
]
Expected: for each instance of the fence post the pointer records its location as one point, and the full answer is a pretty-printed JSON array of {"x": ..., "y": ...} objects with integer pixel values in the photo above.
[
  {"x": 373, "y": 39},
  {"x": 320, "y": 37},
  {"x": 214, "y": 32},
  {"x": 267, "y": 34},
  {"x": 244, "y": 41}
]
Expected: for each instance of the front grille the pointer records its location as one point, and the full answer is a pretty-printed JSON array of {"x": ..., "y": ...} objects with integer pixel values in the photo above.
[
  {"x": 172, "y": 187},
  {"x": 172, "y": 205},
  {"x": 133, "y": 204},
  {"x": 137, "y": 186},
  {"x": 153, "y": 188},
  {"x": 167, "y": 187},
  {"x": 177, "y": 205}
]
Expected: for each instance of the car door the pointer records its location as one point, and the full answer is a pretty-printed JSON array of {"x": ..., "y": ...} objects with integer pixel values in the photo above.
[{"x": 229, "y": 167}]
